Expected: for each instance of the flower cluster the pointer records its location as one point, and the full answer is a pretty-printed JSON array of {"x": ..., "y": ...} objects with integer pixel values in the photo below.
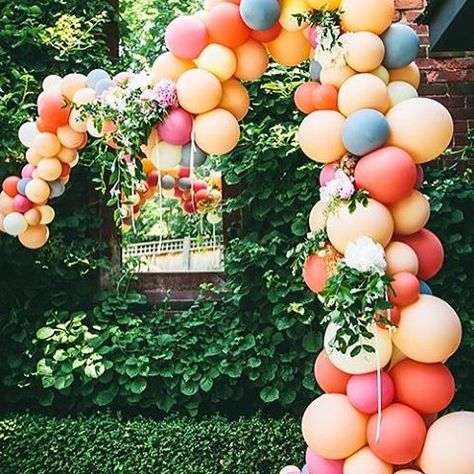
[
  {"x": 365, "y": 255},
  {"x": 341, "y": 187}
]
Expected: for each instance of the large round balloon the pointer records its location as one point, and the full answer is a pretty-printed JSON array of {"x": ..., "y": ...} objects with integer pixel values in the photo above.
[
  {"x": 363, "y": 91},
  {"x": 34, "y": 237},
  {"x": 365, "y": 362},
  {"x": 320, "y": 136},
  {"x": 365, "y": 462},
  {"x": 51, "y": 109},
  {"x": 186, "y": 37},
  {"x": 316, "y": 464},
  {"x": 410, "y": 214},
  {"x": 225, "y": 26},
  {"x": 219, "y": 60},
  {"x": 252, "y": 61},
  {"x": 260, "y": 15},
  {"x": 429, "y": 330},
  {"x": 289, "y": 48},
  {"x": 365, "y": 131},
  {"x": 373, "y": 220},
  {"x": 402, "y": 434},
  {"x": 422, "y": 127},
  {"x": 169, "y": 66},
  {"x": 177, "y": 127},
  {"x": 367, "y": 15},
  {"x": 328, "y": 376},
  {"x": 364, "y": 51},
  {"x": 427, "y": 388},
  {"x": 410, "y": 74},
  {"x": 400, "y": 258},
  {"x": 315, "y": 273},
  {"x": 362, "y": 391},
  {"x": 235, "y": 98},
  {"x": 448, "y": 446},
  {"x": 401, "y": 46},
  {"x": 333, "y": 428}
]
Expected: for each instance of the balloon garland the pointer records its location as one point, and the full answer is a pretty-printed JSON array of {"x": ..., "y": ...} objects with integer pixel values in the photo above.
[{"x": 368, "y": 255}]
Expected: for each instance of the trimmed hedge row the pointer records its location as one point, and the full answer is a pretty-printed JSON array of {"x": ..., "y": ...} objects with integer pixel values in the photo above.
[{"x": 107, "y": 444}]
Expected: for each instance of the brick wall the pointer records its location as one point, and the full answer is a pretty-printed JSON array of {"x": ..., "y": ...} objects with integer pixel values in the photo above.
[{"x": 449, "y": 78}]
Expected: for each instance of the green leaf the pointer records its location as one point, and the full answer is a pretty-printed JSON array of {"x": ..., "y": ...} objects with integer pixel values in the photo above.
[
  {"x": 137, "y": 385},
  {"x": 269, "y": 394},
  {"x": 44, "y": 333},
  {"x": 312, "y": 342},
  {"x": 206, "y": 384}
]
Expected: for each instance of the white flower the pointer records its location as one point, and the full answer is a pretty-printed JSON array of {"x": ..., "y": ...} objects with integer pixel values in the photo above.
[
  {"x": 365, "y": 255},
  {"x": 328, "y": 52},
  {"x": 329, "y": 192},
  {"x": 140, "y": 81},
  {"x": 341, "y": 186}
]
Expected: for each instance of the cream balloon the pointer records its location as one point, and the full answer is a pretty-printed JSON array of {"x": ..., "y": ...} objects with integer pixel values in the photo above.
[
  {"x": 27, "y": 133},
  {"x": 52, "y": 83},
  {"x": 47, "y": 214},
  {"x": 365, "y": 461},
  {"x": 397, "y": 356},
  {"x": 382, "y": 73},
  {"x": 15, "y": 224},
  {"x": 400, "y": 258},
  {"x": 399, "y": 91},
  {"x": 317, "y": 217},
  {"x": 166, "y": 156},
  {"x": 410, "y": 214},
  {"x": 364, "y": 51}
]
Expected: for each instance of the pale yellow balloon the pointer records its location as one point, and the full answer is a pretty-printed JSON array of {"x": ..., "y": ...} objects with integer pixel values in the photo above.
[
  {"x": 399, "y": 91},
  {"x": 219, "y": 60},
  {"x": 168, "y": 66},
  {"x": 422, "y": 127},
  {"x": 328, "y": 4},
  {"x": 289, "y": 8},
  {"x": 400, "y": 258},
  {"x": 373, "y": 220},
  {"x": 410, "y": 214},
  {"x": 252, "y": 61},
  {"x": 410, "y": 74},
  {"x": 333, "y": 428},
  {"x": 365, "y": 461},
  {"x": 364, "y": 51},
  {"x": 49, "y": 169},
  {"x": 165, "y": 155},
  {"x": 47, "y": 214},
  {"x": 317, "y": 217},
  {"x": 367, "y": 15},
  {"x": 363, "y": 91},
  {"x": 429, "y": 330},
  {"x": 290, "y": 48},
  {"x": 320, "y": 136},
  {"x": 382, "y": 73},
  {"x": 336, "y": 76},
  {"x": 448, "y": 445}
]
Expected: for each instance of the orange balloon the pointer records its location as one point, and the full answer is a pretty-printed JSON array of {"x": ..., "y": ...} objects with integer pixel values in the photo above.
[
  {"x": 402, "y": 434},
  {"x": 52, "y": 109},
  {"x": 235, "y": 98},
  {"x": 410, "y": 74},
  {"x": 289, "y": 48},
  {"x": 169, "y": 66},
  {"x": 70, "y": 138},
  {"x": 324, "y": 97},
  {"x": 328, "y": 376},
  {"x": 71, "y": 84},
  {"x": 304, "y": 96},
  {"x": 400, "y": 257},
  {"x": 405, "y": 289},
  {"x": 46, "y": 144},
  {"x": 410, "y": 214},
  {"x": 336, "y": 76},
  {"x": 67, "y": 155},
  {"x": 315, "y": 273},
  {"x": 225, "y": 26},
  {"x": 367, "y": 15},
  {"x": 427, "y": 388},
  {"x": 147, "y": 165},
  {"x": 199, "y": 91},
  {"x": 33, "y": 216},
  {"x": 252, "y": 61},
  {"x": 34, "y": 237}
]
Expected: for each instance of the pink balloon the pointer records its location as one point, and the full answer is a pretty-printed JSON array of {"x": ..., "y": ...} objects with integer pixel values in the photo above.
[
  {"x": 313, "y": 37},
  {"x": 420, "y": 176},
  {"x": 328, "y": 173},
  {"x": 27, "y": 170},
  {"x": 123, "y": 76},
  {"x": 177, "y": 128},
  {"x": 21, "y": 203},
  {"x": 318, "y": 465},
  {"x": 186, "y": 37},
  {"x": 362, "y": 391}
]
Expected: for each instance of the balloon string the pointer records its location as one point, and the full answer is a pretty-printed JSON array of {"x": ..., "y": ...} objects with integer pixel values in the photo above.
[
  {"x": 134, "y": 227},
  {"x": 160, "y": 210},
  {"x": 191, "y": 165},
  {"x": 379, "y": 388}
]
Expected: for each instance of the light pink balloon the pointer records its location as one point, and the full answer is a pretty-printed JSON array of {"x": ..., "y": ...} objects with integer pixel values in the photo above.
[
  {"x": 362, "y": 391},
  {"x": 27, "y": 170},
  {"x": 313, "y": 37},
  {"x": 328, "y": 173},
  {"x": 177, "y": 128},
  {"x": 186, "y": 37},
  {"x": 318, "y": 465},
  {"x": 123, "y": 76}
]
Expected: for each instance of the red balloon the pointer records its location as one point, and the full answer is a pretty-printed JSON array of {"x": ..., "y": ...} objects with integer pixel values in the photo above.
[
  {"x": 405, "y": 289},
  {"x": 388, "y": 174},
  {"x": 315, "y": 273},
  {"x": 184, "y": 171},
  {"x": 199, "y": 184},
  {"x": 328, "y": 376},
  {"x": 427, "y": 388},
  {"x": 152, "y": 178},
  {"x": 52, "y": 110},
  {"x": 402, "y": 434},
  {"x": 266, "y": 36},
  {"x": 304, "y": 96},
  {"x": 429, "y": 251},
  {"x": 202, "y": 195},
  {"x": 325, "y": 97},
  {"x": 9, "y": 185},
  {"x": 225, "y": 26},
  {"x": 189, "y": 207}
]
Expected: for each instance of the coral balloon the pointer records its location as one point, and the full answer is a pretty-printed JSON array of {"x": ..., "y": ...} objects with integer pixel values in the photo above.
[
  {"x": 169, "y": 66},
  {"x": 401, "y": 46},
  {"x": 363, "y": 91},
  {"x": 400, "y": 91},
  {"x": 402, "y": 434},
  {"x": 177, "y": 127},
  {"x": 333, "y": 428},
  {"x": 71, "y": 84},
  {"x": 304, "y": 97},
  {"x": 265, "y": 36},
  {"x": 315, "y": 273},
  {"x": 427, "y": 388},
  {"x": 336, "y": 76},
  {"x": 199, "y": 91},
  {"x": 252, "y": 61},
  {"x": 405, "y": 289},
  {"x": 388, "y": 174},
  {"x": 373, "y": 220},
  {"x": 410, "y": 74},
  {"x": 46, "y": 144},
  {"x": 324, "y": 97},
  {"x": 289, "y": 48},
  {"x": 320, "y": 136},
  {"x": 365, "y": 462},
  {"x": 34, "y": 237},
  {"x": 364, "y": 52},
  {"x": 217, "y": 132},
  {"x": 225, "y": 26},
  {"x": 186, "y": 37},
  {"x": 260, "y": 15},
  {"x": 290, "y": 8},
  {"x": 448, "y": 446},
  {"x": 219, "y": 60},
  {"x": 317, "y": 218},
  {"x": 235, "y": 98},
  {"x": 422, "y": 127},
  {"x": 52, "y": 109},
  {"x": 400, "y": 258},
  {"x": 316, "y": 464},
  {"x": 10, "y": 184},
  {"x": 328, "y": 376},
  {"x": 367, "y": 15},
  {"x": 410, "y": 214},
  {"x": 429, "y": 330}
]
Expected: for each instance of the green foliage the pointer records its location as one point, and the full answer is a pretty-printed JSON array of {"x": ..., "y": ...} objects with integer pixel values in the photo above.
[{"x": 108, "y": 445}]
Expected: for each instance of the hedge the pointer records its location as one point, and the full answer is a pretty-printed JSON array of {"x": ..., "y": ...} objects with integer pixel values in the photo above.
[{"x": 105, "y": 444}]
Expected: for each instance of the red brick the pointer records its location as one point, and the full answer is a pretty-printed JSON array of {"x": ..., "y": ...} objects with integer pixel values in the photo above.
[
  {"x": 462, "y": 113},
  {"x": 409, "y": 4},
  {"x": 412, "y": 15},
  {"x": 466, "y": 88},
  {"x": 446, "y": 76},
  {"x": 433, "y": 89},
  {"x": 452, "y": 102},
  {"x": 460, "y": 126},
  {"x": 397, "y": 16}
]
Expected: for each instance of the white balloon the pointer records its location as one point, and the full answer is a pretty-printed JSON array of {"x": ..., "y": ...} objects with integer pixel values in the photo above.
[
  {"x": 27, "y": 133},
  {"x": 93, "y": 131},
  {"x": 52, "y": 83},
  {"x": 15, "y": 224},
  {"x": 165, "y": 156}
]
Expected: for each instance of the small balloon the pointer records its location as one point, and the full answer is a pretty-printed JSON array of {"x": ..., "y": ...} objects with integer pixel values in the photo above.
[{"x": 198, "y": 156}]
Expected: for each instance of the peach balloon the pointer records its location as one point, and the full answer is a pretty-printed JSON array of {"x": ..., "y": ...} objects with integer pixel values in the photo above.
[
  {"x": 429, "y": 330},
  {"x": 365, "y": 462},
  {"x": 320, "y": 136},
  {"x": 448, "y": 445},
  {"x": 49, "y": 169},
  {"x": 33, "y": 216},
  {"x": 216, "y": 132},
  {"x": 235, "y": 98},
  {"x": 336, "y": 76},
  {"x": 364, "y": 51},
  {"x": 34, "y": 237},
  {"x": 382, "y": 73},
  {"x": 32, "y": 156},
  {"x": 317, "y": 217},
  {"x": 252, "y": 61},
  {"x": 422, "y": 127},
  {"x": 410, "y": 214},
  {"x": 76, "y": 122},
  {"x": 71, "y": 84},
  {"x": 46, "y": 144},
  {"x": 328, "y": 4},
  {"x": 373, "y": 220},
  {"x": 290, "y": 8},
  {"x": 367, "y": 15},
  {"x": 199, "y": 91},
  {"x": 169, "y": 66},
  {"x": 329, "y": 378},
  {"x": 315, "y": 273},
  {"x": 363, "y": 91},
  {"x": 219, "y": 60},
  {"x": 399, "y": 91},
  {"x": 67, "y": 155},
  {"x": 289, "y": 48},
  {"x": 303, "y": 96},
  {"x": 333, "y": 428},
  {"x": 400, "y": 257},
  {"x": 37, "y": 190},
  {"x": 6, "y": 203},
  {"x": 410, "y": 74},
  {"x": 69, "y": 138}
]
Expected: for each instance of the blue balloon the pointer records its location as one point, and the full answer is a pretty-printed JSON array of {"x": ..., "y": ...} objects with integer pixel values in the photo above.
[
  {"x": 95, "y": 76},
  {"x": 315, "y": 70},
  {"x": 401, "y": 46},
  {"x": 425, "y": 289},
  {"x": 198, "y": 159},
  {"x": 305, "y": 470},
  {"x": 260, "y": 14},
  {"x": 103, "y": 85},
  {"x": 21, "y": 185},
  {"x": 167, "y": 182},
  {"x": 57, "y": 189},
  {"x": 364, "y": 131},
  {"x": 184, "y": 184}
]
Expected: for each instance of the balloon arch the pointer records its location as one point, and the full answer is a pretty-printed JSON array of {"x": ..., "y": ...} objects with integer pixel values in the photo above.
[{"x": 368, "y": 254}]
